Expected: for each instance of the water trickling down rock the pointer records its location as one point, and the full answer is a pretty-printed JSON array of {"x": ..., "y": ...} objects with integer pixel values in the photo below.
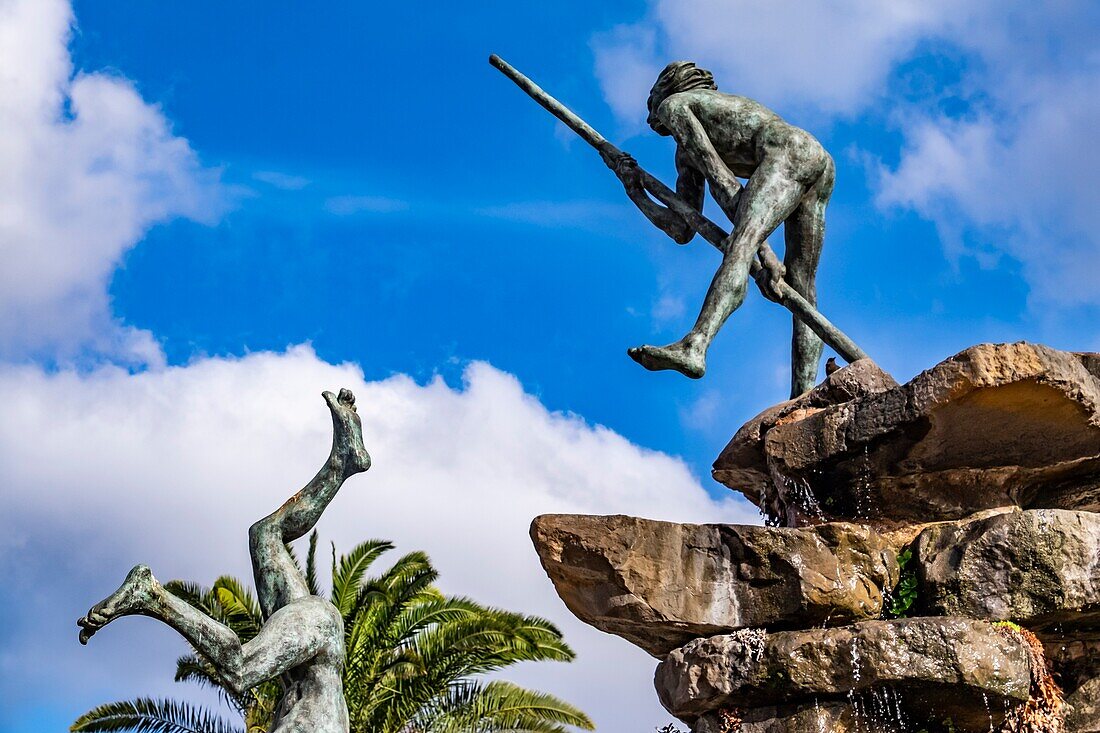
[{"x": 981, "y": 474}]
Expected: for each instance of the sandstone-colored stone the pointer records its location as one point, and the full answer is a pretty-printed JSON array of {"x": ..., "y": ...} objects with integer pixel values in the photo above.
[
  {"x": 882, "y": 711},
  {"x": 660, "y": 584},
  {"x": 996, "y": 425},
  {"x": 943, "y": 667},
  {"x": 743, "y": 465},
  {"x": 1083, "y": 709},
  {"x": 1039, "y": 568},
  {"x": 833, "y": 717}
]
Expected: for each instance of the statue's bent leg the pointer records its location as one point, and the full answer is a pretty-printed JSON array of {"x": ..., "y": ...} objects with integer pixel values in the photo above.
[
  {"x": 769, "y": 198},
  {"x": 804, "y": 234},
  {"x": 279, "y": 580},
  {"x": 292, "y": 636}
]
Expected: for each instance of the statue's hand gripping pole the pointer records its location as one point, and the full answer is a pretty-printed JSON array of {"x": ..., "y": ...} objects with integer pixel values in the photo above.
[{"x": 787, "y": 296}]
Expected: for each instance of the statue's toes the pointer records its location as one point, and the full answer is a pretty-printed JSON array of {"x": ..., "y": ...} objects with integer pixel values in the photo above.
[
  {"x": 87, "y": 628},
  {"x": 648, "y": 356}
]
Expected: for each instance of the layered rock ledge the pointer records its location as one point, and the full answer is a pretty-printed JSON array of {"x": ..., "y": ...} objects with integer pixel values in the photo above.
[
  {"x": 966, "y": 500},
  {"x": 941, "y": 668},
  {"x": 995, "y": 425},
  {"x": 660, "y": 584},
  {"x": 1039, "y": 568},
  {"x": 833, "y": 717}
]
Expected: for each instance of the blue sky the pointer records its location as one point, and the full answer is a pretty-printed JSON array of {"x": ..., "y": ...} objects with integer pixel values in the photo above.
[
  {"x": 200, "y": 189},
  {"x": 485, "y": 233}
]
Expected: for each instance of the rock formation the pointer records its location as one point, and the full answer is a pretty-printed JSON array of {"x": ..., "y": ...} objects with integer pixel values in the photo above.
[
  {"x": 993, "y": 426},
  {"x": 932, "y": 561},
  {"x": 659, "y": 584}
]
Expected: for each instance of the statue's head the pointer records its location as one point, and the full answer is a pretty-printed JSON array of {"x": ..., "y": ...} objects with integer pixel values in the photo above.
[{"x": 679, "y": 76}]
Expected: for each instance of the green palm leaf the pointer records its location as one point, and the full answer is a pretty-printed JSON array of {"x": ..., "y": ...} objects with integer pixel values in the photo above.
[
  {"x": 348, "y": 573},
  {"x": 311, "y": 566},
  {"x": 414, "y": 658},
  {"x": 500, "y": 706},
  {"x": 145, "y": 715},
  {"x": 193, "y": 668},
  {"x": 240, "y": 609}
]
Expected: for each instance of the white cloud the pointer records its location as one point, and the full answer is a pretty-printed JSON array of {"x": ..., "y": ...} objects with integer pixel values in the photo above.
[
  {"x": 281, "y": 181},
  {"x": 585, "y": 215},
  {"x": 828, "y": 56},
  {"x": 1010, "y": 175},
  {"x": 86, "y": 167},
  {"x": 626, "y": 65},
  {"x": 701, "y": 412},
  {"x": 105, "y": 469},
  {"x": 352, "y": 205},
  {"x": 669, "y": 309},
  {"x": 1016, "y": 180}
]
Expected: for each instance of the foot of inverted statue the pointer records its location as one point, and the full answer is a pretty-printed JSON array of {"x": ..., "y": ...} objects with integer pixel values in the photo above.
[{"x": 133, "y": 596}]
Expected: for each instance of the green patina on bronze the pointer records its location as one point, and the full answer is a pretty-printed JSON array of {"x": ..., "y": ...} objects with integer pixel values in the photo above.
[
  {"x": 720, "y": 139},
  {"x": 302, "y": 638}
]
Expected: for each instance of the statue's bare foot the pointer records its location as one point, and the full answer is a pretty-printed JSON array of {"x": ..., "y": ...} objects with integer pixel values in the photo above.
[
  {"x": 347, "y": 432},
  {"x": 134, "y": 596},
  {"x": 682, "y": 356}
]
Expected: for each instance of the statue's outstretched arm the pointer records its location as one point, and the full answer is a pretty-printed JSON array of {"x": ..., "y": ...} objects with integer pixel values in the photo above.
[
  {"x": 690, "y": 185},
  {"x": 696, "y": 144}
]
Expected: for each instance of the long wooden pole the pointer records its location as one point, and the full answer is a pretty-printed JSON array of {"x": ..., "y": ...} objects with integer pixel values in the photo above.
[{"x": 789, "y": 298}]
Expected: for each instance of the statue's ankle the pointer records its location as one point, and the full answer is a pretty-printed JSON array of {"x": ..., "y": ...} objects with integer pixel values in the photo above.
[{"x": 695, "y": 343}]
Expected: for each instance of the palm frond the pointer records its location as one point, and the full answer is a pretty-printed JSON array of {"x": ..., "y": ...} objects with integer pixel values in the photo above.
[
  {"x": 311, "y": 565},
  {"x": 489, "y": 640},
  {"x": 497, "y": 707},
  {"x": 347, "y": 574},
  {"x": 413, "y": 658},
  {"x": 146, "y": 715},
  {"x": 193, "y": 593},
  {"x": 194, "y": 668},
  {"x": 240, "y": 609},
  {"x": 198, "y": 596}
]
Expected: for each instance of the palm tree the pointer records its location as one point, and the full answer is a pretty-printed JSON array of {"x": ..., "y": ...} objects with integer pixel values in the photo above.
[{"x": 416, "y": 658}]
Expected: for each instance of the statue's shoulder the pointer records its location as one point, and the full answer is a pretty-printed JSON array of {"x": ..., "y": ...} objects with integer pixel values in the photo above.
[{"x": 702, "y": 98}]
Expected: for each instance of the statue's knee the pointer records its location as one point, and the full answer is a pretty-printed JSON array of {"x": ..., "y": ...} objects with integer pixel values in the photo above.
[{"x": 264, "y": 532}]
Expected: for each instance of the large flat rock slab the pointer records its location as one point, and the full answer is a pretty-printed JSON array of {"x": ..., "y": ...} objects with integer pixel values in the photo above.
[
  {"x": 995, "y": 425},
  {"x": 660, "y": 584},
  {"x": 955, "y": 668},
  {"x": 1040, "y": 568}
]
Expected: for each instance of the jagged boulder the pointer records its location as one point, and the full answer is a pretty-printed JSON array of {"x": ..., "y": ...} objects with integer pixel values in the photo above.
[
  {"x": 660, "y": 584},
  {"x": 1040, "y": 568},
  {"x": 743, "y": 465},
  {"x": 995, "y": 425},
  {"x": 955, "y": 668}
]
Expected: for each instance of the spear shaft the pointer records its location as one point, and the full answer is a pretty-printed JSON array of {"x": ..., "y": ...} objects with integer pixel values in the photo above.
[{"x": 789, "y": 298}]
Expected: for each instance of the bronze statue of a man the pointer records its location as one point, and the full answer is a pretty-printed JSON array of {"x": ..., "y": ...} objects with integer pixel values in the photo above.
[{"x": 721, "y": 138}]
